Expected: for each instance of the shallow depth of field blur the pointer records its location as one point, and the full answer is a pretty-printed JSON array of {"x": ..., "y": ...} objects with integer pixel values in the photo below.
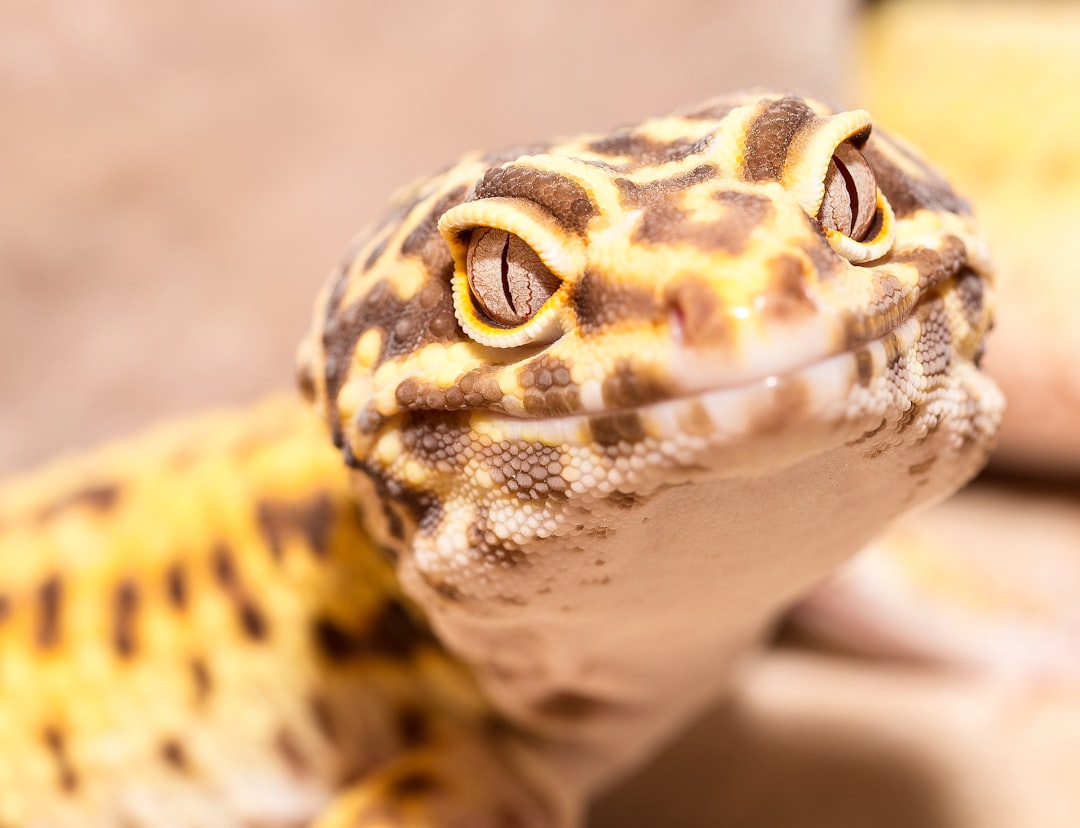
[{"x": 176, "y": 179}]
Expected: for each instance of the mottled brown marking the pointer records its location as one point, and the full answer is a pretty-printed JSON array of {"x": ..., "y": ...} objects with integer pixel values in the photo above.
[
  {"x": 864, "y": 366},
  {"x": 414, "y": 783},
  {"x": 698, "y": 312},
  {"x": 769, "y": 137},
  {"x": 645, "y": 150},
  {"x": 599, "y": 303},
  {"x": 634, "y": 194},
  {"x": 100, "y": 497},
  {"x": 612, "y": 429},
  {"x": 201, "y": 679},
  {"x": 549, "y": 390},
  {"x": 787, "y": 406},
  {"x": 787, "y": 298},
  {"x": 125, "y": 606},
  {"x": 627, "y": 386},
  {"x": 563, "y": 197},
  {"x": 176, "y": 585},
  {"x": 391, "y": 633},
  {"x": 971, "y": 290},
  {"x": 413, "y": 726},
  {"x": 908, "y": 194},
  {"x": 935, "y": 266},
  {"x": 664, "y": 222},
  {"x": 223, "y": 567},
  {"x": 569, "y": 706},
  {"x": 56, "y": 743},
  {"x": 440, "y": 442},
  {"x": 311, "y": 519},
  {"x": 174, "y": 755},
  {"x": 50, "y": 601},
  {"x": 288, "y": 749},
  {"x": 920, "y": 468},
  {"x": 424, "y": 239},
  {"x": 251, "y": 619}
]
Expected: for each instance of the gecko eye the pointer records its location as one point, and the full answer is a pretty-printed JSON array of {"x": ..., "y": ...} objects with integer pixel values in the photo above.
[
  {"x": 507, "y": 280},
  {"x": 850, "y": 200}
]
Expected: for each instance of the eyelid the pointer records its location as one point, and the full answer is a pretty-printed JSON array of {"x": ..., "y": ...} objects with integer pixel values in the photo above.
[{"x": 561, "y": 250}]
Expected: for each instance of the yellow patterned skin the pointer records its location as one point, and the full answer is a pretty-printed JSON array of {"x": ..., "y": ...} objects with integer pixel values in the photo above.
[{"x": 606, "y": 406}]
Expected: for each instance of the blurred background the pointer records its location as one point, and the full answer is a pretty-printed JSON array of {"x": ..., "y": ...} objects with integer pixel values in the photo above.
[{"x": 176, "y": 179}]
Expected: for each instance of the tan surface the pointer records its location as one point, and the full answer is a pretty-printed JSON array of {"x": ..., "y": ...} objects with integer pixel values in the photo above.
[{"x": 178, "y": 178}]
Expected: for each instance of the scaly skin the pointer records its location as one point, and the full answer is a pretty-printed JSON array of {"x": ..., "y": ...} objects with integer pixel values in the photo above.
[{"x": 702, "y": 400}]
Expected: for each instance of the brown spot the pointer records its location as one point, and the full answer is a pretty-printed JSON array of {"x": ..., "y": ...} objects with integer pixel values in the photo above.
[
  {"x": 864, "y": 366},
  {"x": 50, "y": 601},
  {"x": 786, "y": 406},
  {"x": 699, "y": 313},
  {"x": 549, "y": 389},
  {"x": 413, "y": 727},
  {"x": 56, "y": 743},
  {"x": 252, "y": 621},
  {"x": 599, "y": 303},
  {"x": 532, "y": 471},
  {"x": 442, "y": 442},
  {"x": 391, "y": 633},
  {"x": 200, "y": 678},
  {"x": 665, "y": 223},
  {"x": 935, "y": 266},
  {"x": 645, "y": 150},
  {"x": 769, "y": 137},
  {"x": 630, "y": 387},
  {"x": 323, "y": 717},
  {"x": 287, "y": 748},
  {"x": 569, "y": 706},
  {"x": 100, "y": 497},
  {"x": 125, "y": 607},
  {"x": 906, "y": 193},
  {"x": 174, "y": 755},
  {"x": 414, "y": 783},
  {"x": 305, "y": 381},
  {"x": 970, "y": 289},
  {"x": 311, "y": 519},
  {"x": 611, "y": 429},
  {"x": 176, "y": 587},
  {"x": 634, "y": 194},
  {"x": 563, "y": 197},
  {"x": 5, "y": 608},
  {"x": 787, "y": 297},
  {"x": 424, "y": 239}
]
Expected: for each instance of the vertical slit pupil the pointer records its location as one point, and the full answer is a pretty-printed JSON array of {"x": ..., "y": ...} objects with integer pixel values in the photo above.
[{"x": 506, "y": 274}]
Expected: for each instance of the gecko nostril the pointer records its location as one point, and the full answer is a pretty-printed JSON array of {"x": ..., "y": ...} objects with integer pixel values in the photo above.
[{"x": 695, "y": 313}]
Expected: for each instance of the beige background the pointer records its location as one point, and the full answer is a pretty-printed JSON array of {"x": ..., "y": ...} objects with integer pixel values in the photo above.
[{"x": 177, "y": 178}]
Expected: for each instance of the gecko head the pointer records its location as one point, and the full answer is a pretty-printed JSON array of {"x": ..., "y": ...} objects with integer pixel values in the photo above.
[{"x": 532, "y": 343}]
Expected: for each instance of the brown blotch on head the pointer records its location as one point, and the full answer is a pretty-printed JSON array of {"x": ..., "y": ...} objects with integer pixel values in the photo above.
[
  {"x": 908, "y": 194},
  {"x": 665, "y": 223},
  {"x": 787, "y": 297},
  {"x": 424, "y": 239},
  {"x": 286, "y": 746},
  {"x": 174, "y": 755},
  {"x": 769, "y": 137},
  {"x": 50, "y": 597},
  {"x": 549, "y": 390},
  {"x": 599, "y": 303},
  {"x": 200, "y": 678},
  {"x": 414, "y": 783},
  {"x": 100, "y": 497},
  {"x": 311, "y": 519},
  {"x": 612, "y": 429},
  {"x": 627, "y": 386},
  {"x": 125, "y": 606},
  {"x": 642, "y": 149},
  {"x": 563, "y": 197},
  {"x": 413, "y": 727},
  {"x": 698, "y": 313},
  {"x": 634, "y": 194},
  {"x": 56, "y": 743}
]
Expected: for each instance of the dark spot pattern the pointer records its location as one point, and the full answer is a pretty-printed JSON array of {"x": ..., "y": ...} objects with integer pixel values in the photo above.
[
  {"x": 971, "y": 291},
  {"x": 620, "y": 427},
  {"x": 935, "y": 266},
  {"x": 440, "y": 442},
  {"x": 413, "y": 727},
  {"x": 643, "y": 150},
  {"x": 174, "y": 755},
  {"x": 630, "y": 387},
  {"x": 532, "y": 471},
  {"x": 176, "y": 585},
  {"x": 548, "y": 390},
  {"x": 600, "y": 303},
  {"x": 563, "y": 197},
  {"x": 201, "y": 680},
  {"x": 424, "y": 240},
  {"x": 250, "y": 618},
  {"x": 769, "y": 137},
  {"x": 56, "y": 743},
  {"x": 414, "y": 783},
  {"x": 311, "y": 519},
  {"x": 390, "y": 633},
  {"x": 100, "y": 497},
  {"x": 634, "y": 194},
  {"x": 569, "y": 706},
  {"x": 50, "y": 597},
  {"x": 125, "y": 607}
]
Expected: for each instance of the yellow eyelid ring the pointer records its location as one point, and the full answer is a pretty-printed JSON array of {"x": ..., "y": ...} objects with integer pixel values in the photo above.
[
  {"x": 881, "y": 243},
  {"x": 561, "y": 250}
]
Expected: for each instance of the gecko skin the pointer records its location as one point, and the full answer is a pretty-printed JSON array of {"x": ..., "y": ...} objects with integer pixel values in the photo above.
[{"x": 602, "y": 408}]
